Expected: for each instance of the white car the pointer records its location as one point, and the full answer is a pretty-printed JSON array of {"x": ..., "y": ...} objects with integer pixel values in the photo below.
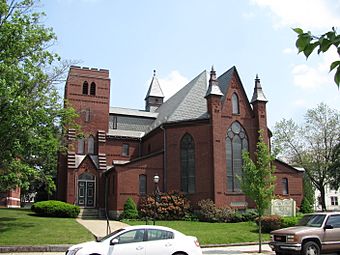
[{"x": 140, "y": 240}]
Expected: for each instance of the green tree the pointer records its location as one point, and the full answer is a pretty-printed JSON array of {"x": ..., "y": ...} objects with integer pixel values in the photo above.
[
  {"x": 335, "y": 167},
  {"x": 130, "y": 209},
  {"x": 307, "y": 43},
  {"x": 307, "y": 203},
  {"x": 311, "y": 145},
  {"x": 31, "y": 112},
  {"x": 258, "y": 181}
]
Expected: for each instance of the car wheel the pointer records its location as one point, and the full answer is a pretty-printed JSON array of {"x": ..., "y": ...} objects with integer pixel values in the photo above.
[{"x": 311, "y": 248}]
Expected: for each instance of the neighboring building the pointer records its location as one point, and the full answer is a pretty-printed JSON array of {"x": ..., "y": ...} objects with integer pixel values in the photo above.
[
  {"x": 332, "y": 199},
  {"x": 193, "y": 141},
  {"x": 10, "y": 199}
]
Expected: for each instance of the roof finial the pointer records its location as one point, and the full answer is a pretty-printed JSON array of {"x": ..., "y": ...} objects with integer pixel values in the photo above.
[
  {"x": 257, "y": 81},
  {"x": 154, "y": 73},
  {"x": 212, "y": 73}
]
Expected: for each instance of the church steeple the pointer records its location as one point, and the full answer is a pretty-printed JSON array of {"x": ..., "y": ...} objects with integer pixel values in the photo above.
[
  {"x": 154, "y": 97},
  {"x": 258, "y": 94}
]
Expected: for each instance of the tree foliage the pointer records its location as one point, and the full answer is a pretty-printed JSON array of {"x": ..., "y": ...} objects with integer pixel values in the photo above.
[
  {"x": 312, "y": 145},
  {"x": 31, "y": 112},
  {"x": 258, "y": 181},
  {"x": 307, "y": 43},
  {"x": 307, "y": 203}
]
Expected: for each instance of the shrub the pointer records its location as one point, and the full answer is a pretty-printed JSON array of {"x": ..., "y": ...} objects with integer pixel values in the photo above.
[
  {"x": 130, "y": 209},
  {"x": 53, "y": 208},
  {"x": 290, "y": 221},
  {"x": 270, "y": 223},
  {"x": 170, "y": 206},
  {"x": 249, "y": 215},
  {"x": 210, "y": 213}
]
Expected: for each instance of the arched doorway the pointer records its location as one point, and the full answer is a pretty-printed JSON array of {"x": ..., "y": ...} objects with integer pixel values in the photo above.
[{"x": 86, "y": 190}]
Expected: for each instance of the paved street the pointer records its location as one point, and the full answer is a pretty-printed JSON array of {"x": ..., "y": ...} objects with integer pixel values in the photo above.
[{"x": 232, "y": 250}]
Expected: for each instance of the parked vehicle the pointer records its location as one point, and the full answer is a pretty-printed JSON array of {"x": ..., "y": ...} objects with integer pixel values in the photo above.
[
  {"x": 315, "y": 233},
  {"x": 138, "y": 240}
]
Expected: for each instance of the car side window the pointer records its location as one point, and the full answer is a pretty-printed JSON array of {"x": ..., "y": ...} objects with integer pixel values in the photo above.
[
  {"x": 334, "y": 220},
  {"x": 131, "y": 236},
  {"x": 157, "y": 234}
]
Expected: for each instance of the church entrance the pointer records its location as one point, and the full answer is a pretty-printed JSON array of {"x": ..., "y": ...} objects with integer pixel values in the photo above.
[{"x": 86, "y": 190}]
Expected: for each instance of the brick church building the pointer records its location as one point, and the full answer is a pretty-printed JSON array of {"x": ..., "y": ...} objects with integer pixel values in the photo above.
[{"x": 193, "y": 142}]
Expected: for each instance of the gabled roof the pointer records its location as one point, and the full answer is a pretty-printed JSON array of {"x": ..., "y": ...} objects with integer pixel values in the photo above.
[
  {"x": 224, "y": 81},
  {"x": 80, "y": 158},
  {"x": 187, "y": 104}
]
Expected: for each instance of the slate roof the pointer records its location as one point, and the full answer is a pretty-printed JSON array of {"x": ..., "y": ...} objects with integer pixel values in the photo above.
[
  {"x": 224, "y": 81},
  {"x": 187, "y": 104},
  {"x": 132, "y": 112}
]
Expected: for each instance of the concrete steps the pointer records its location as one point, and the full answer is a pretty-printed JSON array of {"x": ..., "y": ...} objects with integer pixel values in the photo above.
[{"x": 89, "y": 213}]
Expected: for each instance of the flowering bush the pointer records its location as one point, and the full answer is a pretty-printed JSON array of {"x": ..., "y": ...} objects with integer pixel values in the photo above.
[{"x": 169, "y": 206}]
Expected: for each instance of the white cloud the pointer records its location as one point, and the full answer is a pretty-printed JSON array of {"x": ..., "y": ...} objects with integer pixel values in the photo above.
[
  {"x": 307, "y": 14},
  {"x": 313, "y": 77},
  {"x": 289, "y": 51}
]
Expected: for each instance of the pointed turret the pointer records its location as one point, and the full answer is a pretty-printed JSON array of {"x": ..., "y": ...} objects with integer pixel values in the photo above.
[
  {"x": 154, "y": 97},
  {"x": 258, "y": 94},
  {"x": 259, "y": 102},
  {"x": 214, "y": 107},
  {"x": 213, "y": 88}
]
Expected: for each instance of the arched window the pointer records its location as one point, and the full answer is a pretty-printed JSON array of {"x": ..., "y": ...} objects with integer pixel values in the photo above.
[
  {"x": 90, "y": 145},
  {"x": 93, "y": 89},
  {"x": 236, "y": 142},
  {"x": 86, "y": 176},
  {"x": 235, "y": 104},
  {"x": 285, "y": 186},
  {"x": 85, "y": 88},
  {"x": 142, "y": 184},
  {"x": 187, "y": 151},
  {"x": 81, "y": 144}
]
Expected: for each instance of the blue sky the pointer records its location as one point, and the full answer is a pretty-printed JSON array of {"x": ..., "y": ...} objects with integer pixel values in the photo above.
[{"x": 181, "y": 38}]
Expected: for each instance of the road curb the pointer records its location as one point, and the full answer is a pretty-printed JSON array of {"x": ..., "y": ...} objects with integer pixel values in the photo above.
[{"x": 35, "y": 248}]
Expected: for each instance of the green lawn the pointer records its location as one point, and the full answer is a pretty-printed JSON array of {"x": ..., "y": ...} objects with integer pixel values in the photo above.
[
  {"x": 22, "y": 227},
  {"x": 213, "y": 233}
]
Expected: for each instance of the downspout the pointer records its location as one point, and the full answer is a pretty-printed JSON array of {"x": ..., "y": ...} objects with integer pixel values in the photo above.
[
  {"x": 108, "y": 228},
  {"x": 165, "y": 169}
]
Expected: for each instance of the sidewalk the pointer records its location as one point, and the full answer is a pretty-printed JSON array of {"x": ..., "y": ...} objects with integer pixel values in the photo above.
[{"x": 99, "y": 227}]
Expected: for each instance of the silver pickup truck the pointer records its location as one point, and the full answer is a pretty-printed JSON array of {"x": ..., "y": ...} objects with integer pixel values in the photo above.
[{"x": 315, "y": 233}]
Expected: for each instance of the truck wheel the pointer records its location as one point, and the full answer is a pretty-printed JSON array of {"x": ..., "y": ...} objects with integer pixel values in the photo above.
[{"x": 311, "y": 248}]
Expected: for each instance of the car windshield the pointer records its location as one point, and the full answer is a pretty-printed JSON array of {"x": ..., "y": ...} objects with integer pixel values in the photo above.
[
  {"x": 110, "y": 235},
  {"x": 313, "y": 220}
]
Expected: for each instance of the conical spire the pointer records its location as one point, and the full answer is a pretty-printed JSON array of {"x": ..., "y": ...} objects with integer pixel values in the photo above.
[
  {"x": 154, "y": 88},
  {"x": 213, "y": 88},
  {"x": 154, "y": 97},
  {"x": 258, "y": 94}
]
